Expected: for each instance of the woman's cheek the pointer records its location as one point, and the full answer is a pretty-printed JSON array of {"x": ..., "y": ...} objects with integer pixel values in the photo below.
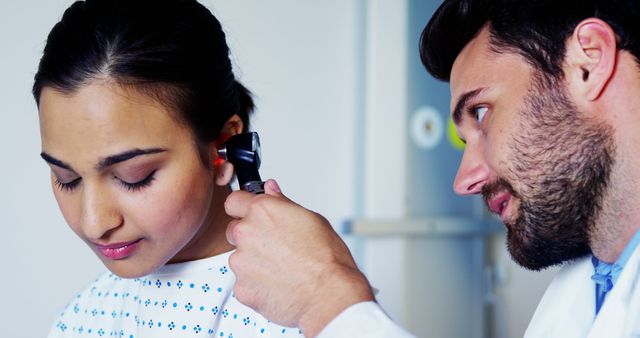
[
  {"x": 70, "y": 209},
  {"x": 181, "y": 208}
]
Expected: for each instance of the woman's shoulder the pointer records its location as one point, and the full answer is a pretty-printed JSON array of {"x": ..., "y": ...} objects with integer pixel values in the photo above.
[
  {"x": 96, "y": 290},
  {"x": 107, "y": 288},
  {"x": 243, "y": 321},
  {"x": 187, "y": 299},
  {"x": 107, "y": 291}
]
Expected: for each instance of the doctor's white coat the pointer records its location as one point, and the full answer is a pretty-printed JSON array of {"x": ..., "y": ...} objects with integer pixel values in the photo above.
[{"x": 567, "y": 308}]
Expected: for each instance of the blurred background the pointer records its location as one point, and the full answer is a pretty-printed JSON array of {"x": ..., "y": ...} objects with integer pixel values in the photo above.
[{"x": 351, "y": 126}]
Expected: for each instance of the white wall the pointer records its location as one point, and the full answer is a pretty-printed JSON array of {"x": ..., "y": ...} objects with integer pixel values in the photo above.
[
  {"x": 384, "y": 259},
  {"x": 298, "y": 56}
]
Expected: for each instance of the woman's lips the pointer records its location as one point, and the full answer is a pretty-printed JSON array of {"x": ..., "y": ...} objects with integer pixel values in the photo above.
[{"x": 117, "y": 251}]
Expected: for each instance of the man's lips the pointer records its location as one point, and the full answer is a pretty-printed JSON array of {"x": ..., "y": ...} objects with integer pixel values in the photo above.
[{"x": 499, "y": 202}]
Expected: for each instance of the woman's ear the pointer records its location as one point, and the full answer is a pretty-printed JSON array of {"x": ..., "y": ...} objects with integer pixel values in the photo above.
[
  {"x": 591, "y": 58},
  {"x": 223, "y": 169}
]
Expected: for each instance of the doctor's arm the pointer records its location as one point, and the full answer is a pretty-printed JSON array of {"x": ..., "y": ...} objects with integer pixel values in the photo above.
[{"x": 293, "y": 268}]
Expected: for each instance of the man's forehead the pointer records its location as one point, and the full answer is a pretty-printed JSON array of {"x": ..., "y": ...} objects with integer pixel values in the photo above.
[
  {"x": 479, "y": 66},
  {"x": 470, "y": 67}
]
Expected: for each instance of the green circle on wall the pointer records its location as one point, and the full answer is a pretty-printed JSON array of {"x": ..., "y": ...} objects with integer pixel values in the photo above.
[{"x": 453, "y": 137}]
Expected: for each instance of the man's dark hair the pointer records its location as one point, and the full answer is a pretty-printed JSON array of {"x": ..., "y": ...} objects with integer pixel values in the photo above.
[{"x": 535, "y": 29}]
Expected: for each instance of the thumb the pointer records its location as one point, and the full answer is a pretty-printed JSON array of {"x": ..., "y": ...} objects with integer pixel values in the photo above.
[{"x": 272, "y": 188}]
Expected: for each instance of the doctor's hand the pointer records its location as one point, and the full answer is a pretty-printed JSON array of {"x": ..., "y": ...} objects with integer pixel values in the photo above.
[{"x": 291, "y": 266}]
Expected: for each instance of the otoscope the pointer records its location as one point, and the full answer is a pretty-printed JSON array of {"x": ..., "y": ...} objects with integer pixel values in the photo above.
[{"x": 243, "y": 151}]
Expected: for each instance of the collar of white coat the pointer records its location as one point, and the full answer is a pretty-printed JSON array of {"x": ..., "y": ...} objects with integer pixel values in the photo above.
[{"x": 567, "y": 308}]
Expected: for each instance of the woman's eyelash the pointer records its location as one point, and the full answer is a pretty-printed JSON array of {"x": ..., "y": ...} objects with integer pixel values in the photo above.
[
  {"x": 135, "y": 186},
  {"x": 68, "y": 186}
]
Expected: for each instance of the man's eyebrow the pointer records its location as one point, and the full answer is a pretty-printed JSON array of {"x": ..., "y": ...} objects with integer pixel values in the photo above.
[
  {"x": 124, "y": 156},
  {"x": 462, "y": 102},
  {"x": 55, "y": 161}
]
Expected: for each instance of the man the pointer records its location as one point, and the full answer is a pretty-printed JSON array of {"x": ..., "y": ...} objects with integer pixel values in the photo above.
[{"x": 546, "y": 96}]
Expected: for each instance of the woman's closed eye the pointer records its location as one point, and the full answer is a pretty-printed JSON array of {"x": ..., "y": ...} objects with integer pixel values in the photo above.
[
  {"x": 68, "y": 185},
  {"x": 137, "y": 185}
]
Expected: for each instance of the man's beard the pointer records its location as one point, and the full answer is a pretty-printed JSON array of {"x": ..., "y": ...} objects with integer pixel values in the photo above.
[{"x": 560, "y": 163}]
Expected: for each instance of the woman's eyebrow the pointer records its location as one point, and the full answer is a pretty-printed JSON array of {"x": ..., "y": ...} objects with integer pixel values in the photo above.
[
  {"x": 55, "y": 161},
  {"x": 107, "y": 161},
  {"x": 124, "y": 156}
]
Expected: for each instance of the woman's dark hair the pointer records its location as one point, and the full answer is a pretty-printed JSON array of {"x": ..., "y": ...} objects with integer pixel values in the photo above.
[
  {"x": 535, "y": 29},
  {"x": 173, "y": 50}
]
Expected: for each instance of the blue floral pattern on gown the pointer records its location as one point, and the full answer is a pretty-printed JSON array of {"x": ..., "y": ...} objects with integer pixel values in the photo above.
[{"x": 191, "y": 299}]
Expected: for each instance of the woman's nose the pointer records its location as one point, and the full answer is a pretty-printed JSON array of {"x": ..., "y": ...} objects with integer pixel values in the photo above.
[
  {"x": 473, "y": 172},
  {"x": 100, "y": 216}
]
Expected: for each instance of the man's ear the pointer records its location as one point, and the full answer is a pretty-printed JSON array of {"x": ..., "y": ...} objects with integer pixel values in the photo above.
[
  {"x": 223, "y": 169},
  {"x": 591, "y": 57}
]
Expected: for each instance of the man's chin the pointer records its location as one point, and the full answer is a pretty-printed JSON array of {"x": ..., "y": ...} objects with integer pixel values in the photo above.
[{"x": 540, "y": 255}]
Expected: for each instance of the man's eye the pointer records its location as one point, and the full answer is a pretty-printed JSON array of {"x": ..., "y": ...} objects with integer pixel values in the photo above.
[{"x": 480, "y": 112}]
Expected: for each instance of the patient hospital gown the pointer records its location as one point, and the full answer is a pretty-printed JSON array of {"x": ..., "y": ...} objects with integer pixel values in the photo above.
[{"x": 191, "y": 299}]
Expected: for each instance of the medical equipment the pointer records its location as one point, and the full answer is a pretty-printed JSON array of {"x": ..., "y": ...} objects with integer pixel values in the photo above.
[{"x": 243, "y": 151}]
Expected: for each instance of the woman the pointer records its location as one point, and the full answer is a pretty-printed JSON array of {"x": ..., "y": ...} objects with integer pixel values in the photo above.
[{"x": 134, "y": 97}]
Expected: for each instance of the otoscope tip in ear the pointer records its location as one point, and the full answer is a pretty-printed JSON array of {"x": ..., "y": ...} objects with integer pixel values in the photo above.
[{"x": 222, "y": 153}]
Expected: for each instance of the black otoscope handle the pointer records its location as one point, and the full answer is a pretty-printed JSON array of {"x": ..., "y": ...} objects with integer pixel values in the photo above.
[{"x": 247, "y": 173}]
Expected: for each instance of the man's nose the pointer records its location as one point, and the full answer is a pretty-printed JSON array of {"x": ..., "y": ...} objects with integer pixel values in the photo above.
[
  {"x": 100, "y": 215},
  {"x": 473, "y": 172}
]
